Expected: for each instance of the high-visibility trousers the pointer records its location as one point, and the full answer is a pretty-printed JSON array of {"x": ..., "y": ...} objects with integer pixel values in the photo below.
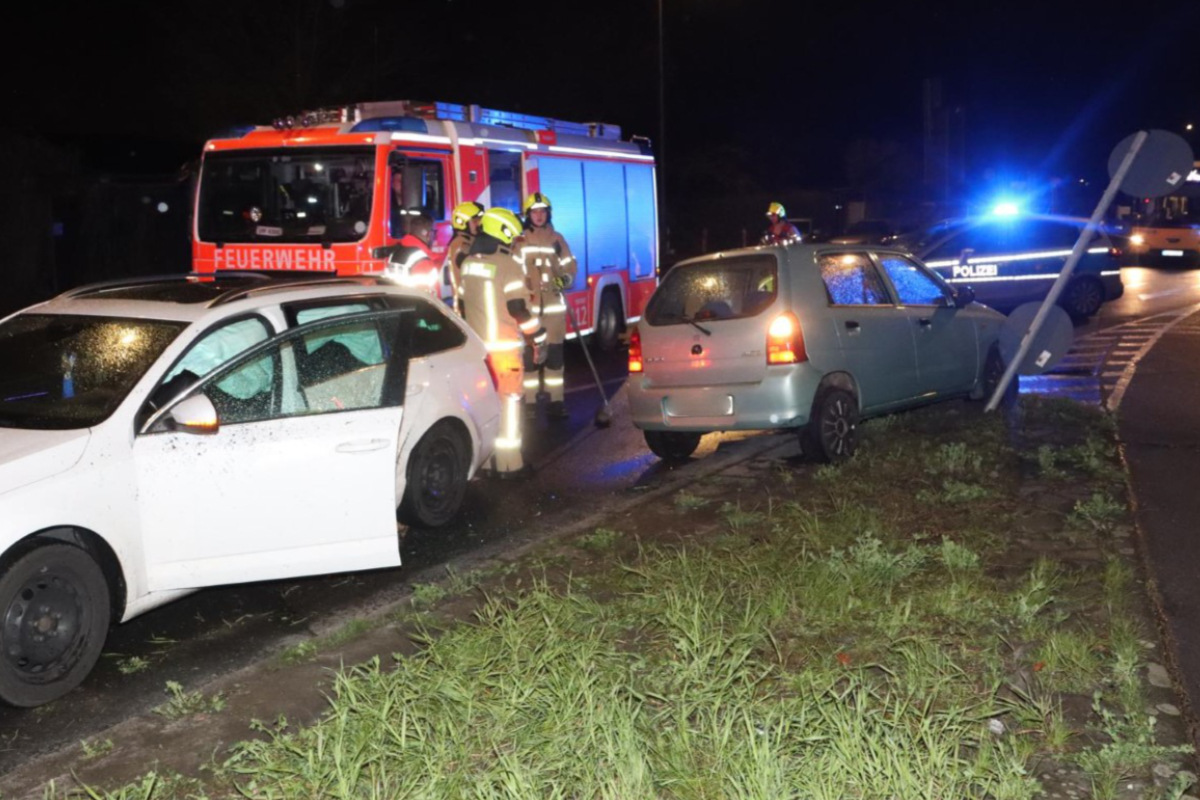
[
  {"x": 548, "y": 377},
  {"x": 510, "y": 376}
]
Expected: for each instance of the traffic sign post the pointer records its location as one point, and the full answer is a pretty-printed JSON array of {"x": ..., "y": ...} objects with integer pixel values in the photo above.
[{"x": 1160, "y": 169}]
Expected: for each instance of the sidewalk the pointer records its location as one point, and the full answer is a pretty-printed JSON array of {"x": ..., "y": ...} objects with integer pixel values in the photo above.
[{"x": 1159, "y": 425}]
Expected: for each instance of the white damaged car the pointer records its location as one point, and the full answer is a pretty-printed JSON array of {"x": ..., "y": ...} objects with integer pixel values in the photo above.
[{"x": 160, "y": 436}]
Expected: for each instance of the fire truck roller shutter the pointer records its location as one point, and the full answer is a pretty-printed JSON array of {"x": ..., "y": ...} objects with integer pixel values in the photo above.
[
  {"x": 562, "y": 180},
  {"x": 643, "y": 220},
  {"x": 607, "y": 224}
]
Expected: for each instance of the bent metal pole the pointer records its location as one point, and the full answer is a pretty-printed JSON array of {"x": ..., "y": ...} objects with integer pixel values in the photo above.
[{"x": 1080, "y": 246}]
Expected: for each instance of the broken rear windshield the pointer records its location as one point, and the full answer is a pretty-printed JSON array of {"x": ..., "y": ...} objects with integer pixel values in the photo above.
[
  {"x": 288, "y": 196},
  {"x": 725, "y": 288}
]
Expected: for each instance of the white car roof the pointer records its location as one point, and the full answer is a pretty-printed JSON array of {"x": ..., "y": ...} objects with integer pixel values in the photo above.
[{"x": 187, "y": 299}]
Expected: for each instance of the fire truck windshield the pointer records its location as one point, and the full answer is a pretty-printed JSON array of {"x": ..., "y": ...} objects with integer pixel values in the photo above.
[{"x": 293, "y": 195}]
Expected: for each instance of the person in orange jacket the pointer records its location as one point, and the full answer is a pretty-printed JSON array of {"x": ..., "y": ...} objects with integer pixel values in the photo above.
[
  {"x": 411, "y": 263},
  {"x": 779, "y": 230}
]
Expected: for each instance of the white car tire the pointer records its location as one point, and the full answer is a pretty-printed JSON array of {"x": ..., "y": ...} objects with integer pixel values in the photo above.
[
  {"x": 436, "y": 477},
  {"x": 56, "y": 609}
]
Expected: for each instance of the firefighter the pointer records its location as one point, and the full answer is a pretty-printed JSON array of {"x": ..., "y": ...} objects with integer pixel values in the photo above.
[
  {"x": 465, "y": 221},
  {"x": 779, "y": 230},
  {"x": 495, "y": 302},
  {"x": 550, "y": 268},
  {"x": 411, "y": 261}
]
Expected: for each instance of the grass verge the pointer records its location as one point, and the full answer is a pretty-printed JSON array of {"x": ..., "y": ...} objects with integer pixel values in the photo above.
[{"x": 952, "y": 614}]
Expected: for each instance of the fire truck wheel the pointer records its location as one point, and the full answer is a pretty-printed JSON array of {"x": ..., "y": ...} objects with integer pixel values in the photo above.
[
  {"x": 55, "y": 603},
  {"x": 609, "y": 322},
  {"x": 437, "y": 478},
  {"x": 672, "y": 445}
]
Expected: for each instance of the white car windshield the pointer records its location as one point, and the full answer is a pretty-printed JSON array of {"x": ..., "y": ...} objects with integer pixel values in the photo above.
[{"x": 64, "y": 371}]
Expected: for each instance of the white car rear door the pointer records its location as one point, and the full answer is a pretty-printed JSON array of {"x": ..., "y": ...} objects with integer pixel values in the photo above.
[{"x": 299, "y": 478}]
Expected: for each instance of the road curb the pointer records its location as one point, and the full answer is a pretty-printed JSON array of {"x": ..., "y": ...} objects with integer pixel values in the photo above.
[{"x": 1170, "y": 654}]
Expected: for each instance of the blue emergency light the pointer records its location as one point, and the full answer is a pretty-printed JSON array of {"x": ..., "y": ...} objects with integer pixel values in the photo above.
[{"x": 388, "y": 124}]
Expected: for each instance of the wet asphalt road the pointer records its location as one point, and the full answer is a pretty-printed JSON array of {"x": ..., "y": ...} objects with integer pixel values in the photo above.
[{"x": 579, "y": 467}]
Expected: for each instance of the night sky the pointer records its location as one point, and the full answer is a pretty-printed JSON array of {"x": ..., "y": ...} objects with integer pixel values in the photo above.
[{"x": 776, "y": 91}]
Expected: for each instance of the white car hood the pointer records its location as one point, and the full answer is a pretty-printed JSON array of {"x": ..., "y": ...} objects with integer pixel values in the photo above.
[{"x": 28, "y": 456}]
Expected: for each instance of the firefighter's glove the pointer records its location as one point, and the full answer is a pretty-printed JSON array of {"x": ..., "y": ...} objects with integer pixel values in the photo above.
[{"x": 561, "y": 282}]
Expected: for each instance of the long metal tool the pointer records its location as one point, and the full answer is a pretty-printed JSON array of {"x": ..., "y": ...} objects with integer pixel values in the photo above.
[{"x": 604, "y": 416}]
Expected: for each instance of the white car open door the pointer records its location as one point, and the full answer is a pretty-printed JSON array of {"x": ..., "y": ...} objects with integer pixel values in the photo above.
[{"x": 281, "y": 463}]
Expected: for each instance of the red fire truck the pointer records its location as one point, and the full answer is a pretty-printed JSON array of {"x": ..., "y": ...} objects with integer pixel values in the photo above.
[{"x": 326, "y": 192}]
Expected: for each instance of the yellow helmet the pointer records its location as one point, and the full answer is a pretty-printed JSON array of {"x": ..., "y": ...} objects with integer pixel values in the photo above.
[
  {"x": 464, "y": 213},
  {"x": 500, "y": 223},
  {"x": 535, "y": 200},
  {"x": 776, "y": 208}
]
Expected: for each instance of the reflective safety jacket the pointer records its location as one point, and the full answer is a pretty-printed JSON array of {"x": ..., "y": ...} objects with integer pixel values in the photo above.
[
  {"x": 546, "y": 257},
  {"x": 456, "y": 253},
  {"x": 411, "y": 265},
  {"x": 495, "y": 300}
]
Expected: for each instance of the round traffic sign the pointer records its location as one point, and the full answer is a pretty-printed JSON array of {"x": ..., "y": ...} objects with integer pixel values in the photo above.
[
  {"x": 1159, "y": 168},
  {"x": 1051, "y": 343}
]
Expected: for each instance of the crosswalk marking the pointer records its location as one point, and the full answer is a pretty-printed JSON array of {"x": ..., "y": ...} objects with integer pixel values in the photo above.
[{"x": 1099, "y": 366}]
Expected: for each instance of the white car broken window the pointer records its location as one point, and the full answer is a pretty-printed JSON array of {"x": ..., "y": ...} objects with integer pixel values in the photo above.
[
  {"x": 219, "y": 347},
  {"x": 363, "y": 345}
]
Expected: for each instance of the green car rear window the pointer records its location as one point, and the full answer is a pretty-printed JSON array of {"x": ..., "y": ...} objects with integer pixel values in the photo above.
[{"x": 726, "y": 288}]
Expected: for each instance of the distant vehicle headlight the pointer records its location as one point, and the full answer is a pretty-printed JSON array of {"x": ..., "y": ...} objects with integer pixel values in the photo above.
[{"x": 1137, "y": 240}]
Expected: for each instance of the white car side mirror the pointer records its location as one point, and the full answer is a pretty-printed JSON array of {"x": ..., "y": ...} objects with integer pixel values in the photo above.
[{"x": 196, "y": 415}]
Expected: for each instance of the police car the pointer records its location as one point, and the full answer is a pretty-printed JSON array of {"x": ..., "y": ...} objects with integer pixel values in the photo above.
[{"x": 1013, "y": 259}]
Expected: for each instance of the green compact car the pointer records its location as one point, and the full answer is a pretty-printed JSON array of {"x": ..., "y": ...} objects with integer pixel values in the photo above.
[{"x": 806, "y": 337}]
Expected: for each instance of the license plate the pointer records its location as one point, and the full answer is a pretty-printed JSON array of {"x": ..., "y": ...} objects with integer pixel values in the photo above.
[
  {"x": 1176, "y": 253},
  {"x": 704, "y": 404}
]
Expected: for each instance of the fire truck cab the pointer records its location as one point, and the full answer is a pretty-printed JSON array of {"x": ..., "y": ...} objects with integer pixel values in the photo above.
[{"x": 328, "y": 192}]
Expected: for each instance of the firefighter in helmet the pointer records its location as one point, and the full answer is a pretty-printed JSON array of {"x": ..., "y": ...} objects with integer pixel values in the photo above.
[
  {"x": 411, "y": 261},
  {"x": 495, "y": 304},
  {"x": 779, "y": 230},
  {"x": 465, "y": 221},
  {"x": 551, "y": 269}
]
